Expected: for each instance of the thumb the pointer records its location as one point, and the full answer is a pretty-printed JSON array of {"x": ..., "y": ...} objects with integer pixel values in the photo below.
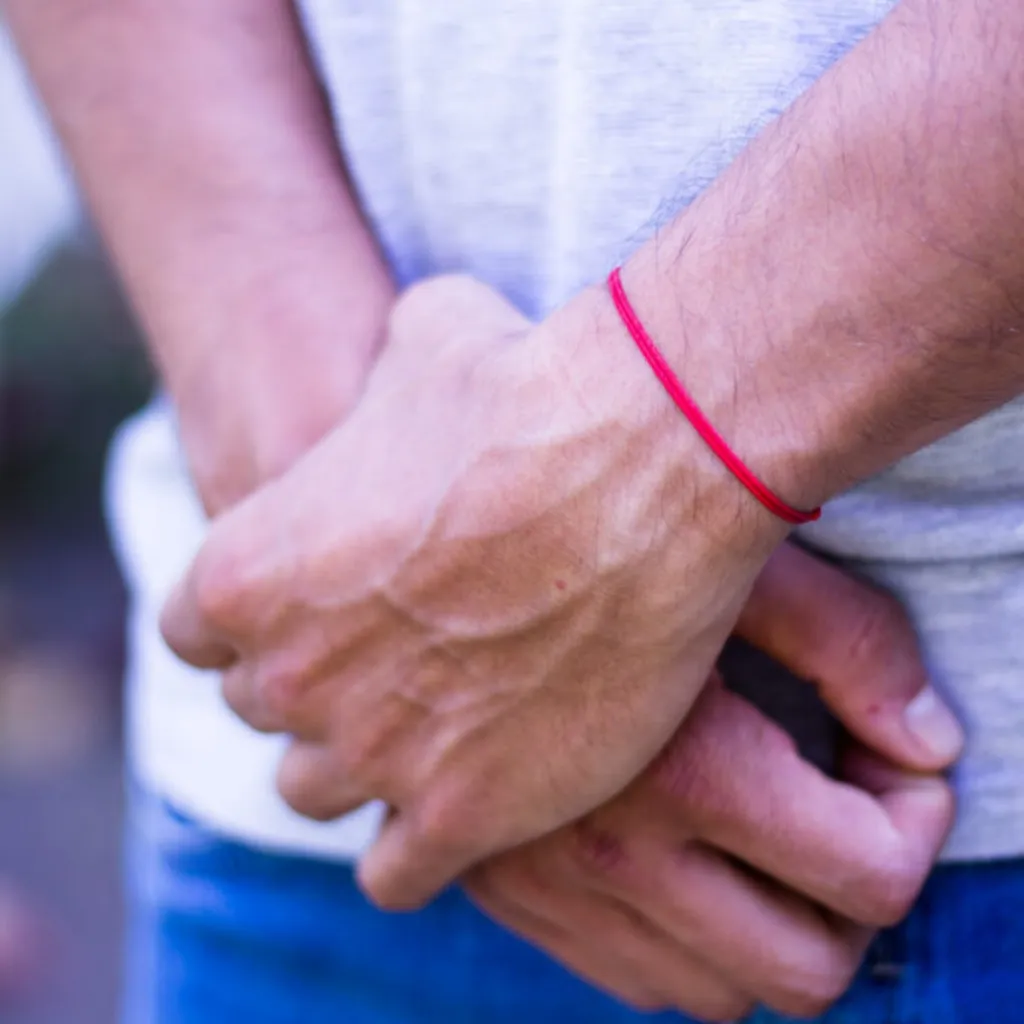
[{"x": 855, "y": 643}]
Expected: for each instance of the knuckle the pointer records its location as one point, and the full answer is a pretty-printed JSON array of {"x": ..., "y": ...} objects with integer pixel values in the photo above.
[
  {"x": 446, "y": 824},
  {"x": 296, "y": 797},
  {"x": 421, "y": 303},
  {"x": 350, "y": 762},
  {"x": 702, "y": 787},
  {"x": 516, "y": 881},
  {"x": 944, "y": 809},
  {"x": 308, "y": 806},
  {"x": 238, "y": 694},
  {"x": 294, "y": 788},
  {"x": 877, "y": 629},
  {"x": 887, "y": 893},
  {"x": 410, "y": 304},
  {"x": 596, "y": 851},
  {"x": 431, "y": 292},
  {"x": 219, "y": 587},
  {"x": 393, "y": 900},
  {"x": 809, "y": 988},
  {"x": 280, "y": 693},
  {"x": 680, "y": 774},
  {"x": 508, "y": 875}
]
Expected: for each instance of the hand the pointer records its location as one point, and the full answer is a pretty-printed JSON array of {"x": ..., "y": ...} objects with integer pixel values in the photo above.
[
  {"x": 733, "y": 872},
  {"x": 247, "y": 413},
  {"x": 490, "y": 596}
]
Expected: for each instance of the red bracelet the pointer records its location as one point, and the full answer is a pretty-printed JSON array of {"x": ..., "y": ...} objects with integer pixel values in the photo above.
[{"x": 698, "y": 420}]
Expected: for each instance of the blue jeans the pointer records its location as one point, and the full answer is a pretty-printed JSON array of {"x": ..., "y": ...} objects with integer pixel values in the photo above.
[{"x": 224, "y": 934}]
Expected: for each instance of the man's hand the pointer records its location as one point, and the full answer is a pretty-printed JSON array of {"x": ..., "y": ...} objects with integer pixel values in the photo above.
[
  {"x": 733, "y": 872},
  {"x": 488, "y": 598}
]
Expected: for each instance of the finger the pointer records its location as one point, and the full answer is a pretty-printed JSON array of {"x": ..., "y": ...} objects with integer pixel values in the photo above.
[
  {"x": 763, "y": 940},
  {"x": 735, "y": 779},
  {"x": 617, "y": 979},
  {"x": 856, "y": 644},
  {"x": 415, "y": 855},
  {"x": 230, "y": 592},
  {"x": 431, "y": 840},
  {"x": 269, "y": 698},
  {"x": 870, "y": 772},
  {"x": 607, "y": 945},
  {"x": 188, "y": 631},
  {"x": 920, "y": 806},
  {"x": 311, "y": 782},
  {"x": 383, "y": 871}
]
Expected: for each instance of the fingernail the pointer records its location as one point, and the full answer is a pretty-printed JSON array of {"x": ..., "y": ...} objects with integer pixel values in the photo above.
[{"x": 934, "y": 725}]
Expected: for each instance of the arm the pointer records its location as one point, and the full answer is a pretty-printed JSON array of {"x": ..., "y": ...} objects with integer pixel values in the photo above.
[
  {"x": 205, "y": 147},
  {"x": 536, "y": 561},
  {"x": 852, "y": 288}
]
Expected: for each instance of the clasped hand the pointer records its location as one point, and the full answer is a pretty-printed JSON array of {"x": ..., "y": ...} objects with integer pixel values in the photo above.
[
  {"x": 733, "y": 872},
  {"x": 489, "y": 597}
]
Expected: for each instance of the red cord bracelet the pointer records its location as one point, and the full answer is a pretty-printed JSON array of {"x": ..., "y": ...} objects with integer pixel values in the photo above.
[{"x": 698, "y": 420}]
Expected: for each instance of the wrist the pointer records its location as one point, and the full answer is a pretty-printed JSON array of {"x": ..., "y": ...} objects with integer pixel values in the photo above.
[
  {"x": 597, "y": 359},
  {"x": 743, "y": 368},
  {"x": 252, "y": 403}
]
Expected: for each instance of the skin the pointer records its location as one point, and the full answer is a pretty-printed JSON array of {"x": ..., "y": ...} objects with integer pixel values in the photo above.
[
  {"x": 733, "y": 872},
  {"x": 526, "y": 583},
  {"x": 214, "y": 175},
  {"x": 862, "y": 254},
  {"x": 544, "y": 452},
  {"x": 21, "y": 944}
]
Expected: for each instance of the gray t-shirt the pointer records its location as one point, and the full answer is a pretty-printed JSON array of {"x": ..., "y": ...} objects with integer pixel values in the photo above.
[{"x": 533, "y": 144}]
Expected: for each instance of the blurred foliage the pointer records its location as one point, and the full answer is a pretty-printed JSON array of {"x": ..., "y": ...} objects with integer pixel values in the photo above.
[{"x": 71, "y": 368}]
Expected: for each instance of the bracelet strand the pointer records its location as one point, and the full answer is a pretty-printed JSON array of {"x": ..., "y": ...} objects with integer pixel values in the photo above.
[{"x": 691, "y": 411}]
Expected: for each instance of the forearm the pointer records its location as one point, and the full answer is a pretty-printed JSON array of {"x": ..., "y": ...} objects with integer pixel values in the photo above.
[
  {"x": 852, "y": 288},
  {"x": 205, "y": 148}
]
